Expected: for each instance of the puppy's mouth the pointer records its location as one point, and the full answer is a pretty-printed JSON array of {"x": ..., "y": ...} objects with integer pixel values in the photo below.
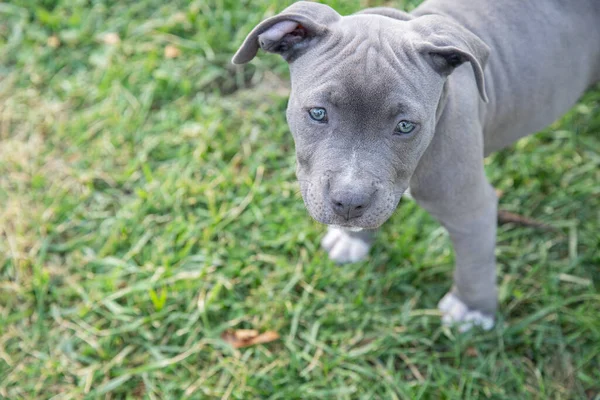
[
  {"x": 354, "y": 225},
  {"x": 320, "y": 208},
  {"x": 348, "y": 228}
]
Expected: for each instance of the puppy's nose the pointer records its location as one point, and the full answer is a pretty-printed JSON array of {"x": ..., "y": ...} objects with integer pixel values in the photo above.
[{"x": 350, "y": 204}]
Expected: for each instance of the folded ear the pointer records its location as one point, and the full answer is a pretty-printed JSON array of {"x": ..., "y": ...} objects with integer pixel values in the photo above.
[
  {"x": 447, "y": 45},
  {"x": 289, "y": 32}
]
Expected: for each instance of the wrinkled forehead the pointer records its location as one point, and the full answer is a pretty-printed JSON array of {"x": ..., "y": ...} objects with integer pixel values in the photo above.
[
  {"x": 359, "y": 65},
  {"x": 360, "y": 48}
]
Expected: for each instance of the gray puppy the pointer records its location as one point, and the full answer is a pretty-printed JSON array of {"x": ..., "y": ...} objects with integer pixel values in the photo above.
[{"x": 383, "y": 101}]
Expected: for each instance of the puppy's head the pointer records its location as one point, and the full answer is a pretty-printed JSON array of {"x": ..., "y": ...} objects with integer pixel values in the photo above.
[{"x": 367, "y": 91}]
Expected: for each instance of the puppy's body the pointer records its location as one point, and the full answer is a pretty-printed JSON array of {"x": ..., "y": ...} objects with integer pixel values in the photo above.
[
  {"x": 543, "y": 56},
  {"x": 384, "y": 100}
]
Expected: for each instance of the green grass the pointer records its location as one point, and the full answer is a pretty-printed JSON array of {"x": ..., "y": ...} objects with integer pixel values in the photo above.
[{"x": 147, "y": 204}]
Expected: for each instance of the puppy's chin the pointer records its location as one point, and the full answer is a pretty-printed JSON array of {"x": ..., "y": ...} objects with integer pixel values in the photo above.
[{"x": 348, "y": 228}]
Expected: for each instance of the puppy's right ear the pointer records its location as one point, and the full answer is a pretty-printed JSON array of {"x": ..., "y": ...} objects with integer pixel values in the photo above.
[{"x": 289, "y": 33}]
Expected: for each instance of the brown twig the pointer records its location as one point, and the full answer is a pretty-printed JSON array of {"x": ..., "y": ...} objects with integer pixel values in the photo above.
[{"x": 507, "y": 217}]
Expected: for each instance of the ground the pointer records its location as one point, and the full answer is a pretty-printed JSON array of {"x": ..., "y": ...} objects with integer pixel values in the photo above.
[{"x": 148, "y": 203}]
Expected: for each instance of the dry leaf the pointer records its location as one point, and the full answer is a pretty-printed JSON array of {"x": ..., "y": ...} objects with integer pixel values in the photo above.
[
  {"x": 472, "y": 352},
  {"x": 53, "y": 41},
  {"x": 245, "y": 334},
  {"x": 248, "y": 337},
  {"x": 172, "y": 51},
  {"x": 111, "y": 38}
]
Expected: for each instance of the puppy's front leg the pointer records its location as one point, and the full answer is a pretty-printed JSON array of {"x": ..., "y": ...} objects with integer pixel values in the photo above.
[
  {"x": 469, "y": 215},
  {"x": 346, "y": 246},
  {"x": 473, "y": 299}
]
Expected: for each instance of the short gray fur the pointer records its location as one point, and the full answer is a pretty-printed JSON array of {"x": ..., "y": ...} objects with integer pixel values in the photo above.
[{"x": 474, "y": 75}]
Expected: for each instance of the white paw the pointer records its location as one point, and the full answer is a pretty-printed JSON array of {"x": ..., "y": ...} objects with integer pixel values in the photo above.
[
  {"x": 342, "y": 247},
  {"x": 456, "y": 313}
]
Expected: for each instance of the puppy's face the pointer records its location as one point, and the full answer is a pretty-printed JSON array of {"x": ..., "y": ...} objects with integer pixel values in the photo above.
[
  {"x": 361, "y": 119},
  {"x": 366, "y": 94}
]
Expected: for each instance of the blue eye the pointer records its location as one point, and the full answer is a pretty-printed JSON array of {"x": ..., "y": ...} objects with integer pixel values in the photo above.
[
  {"x": 404, "y": 127},
  {"x": 318, "y": 114}
]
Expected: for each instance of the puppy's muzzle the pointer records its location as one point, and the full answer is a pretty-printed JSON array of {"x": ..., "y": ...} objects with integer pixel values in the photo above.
[{"x": 352, "y": 200}]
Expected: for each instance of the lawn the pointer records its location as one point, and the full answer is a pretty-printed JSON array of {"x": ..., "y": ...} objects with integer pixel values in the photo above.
[{"x": 148, "y": 204}]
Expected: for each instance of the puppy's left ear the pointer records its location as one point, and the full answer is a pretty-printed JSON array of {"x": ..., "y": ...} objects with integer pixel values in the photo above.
[
  {"x": 289, "y": 33},
  {"x": 447, "y": 45}
]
